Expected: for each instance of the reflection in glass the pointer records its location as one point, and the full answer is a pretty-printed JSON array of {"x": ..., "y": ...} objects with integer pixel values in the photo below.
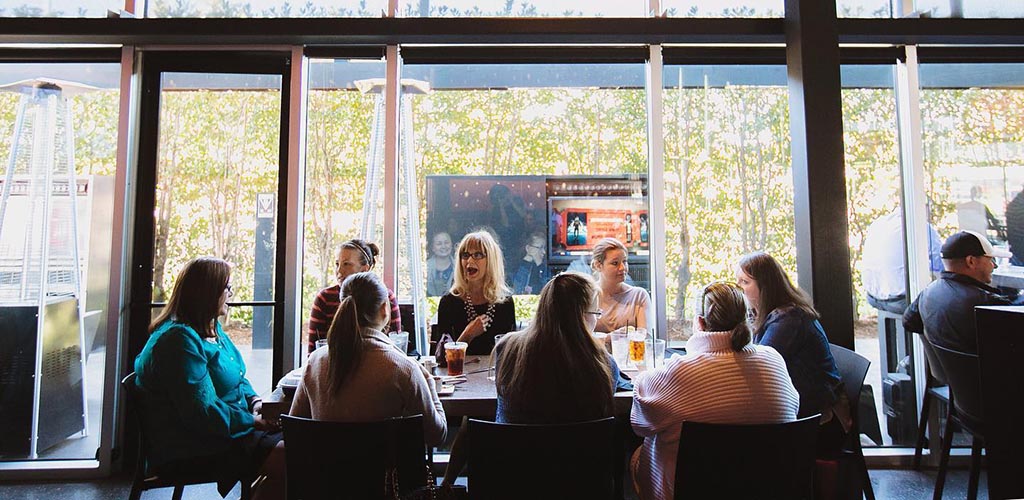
[{"x": 264, "y": 8}]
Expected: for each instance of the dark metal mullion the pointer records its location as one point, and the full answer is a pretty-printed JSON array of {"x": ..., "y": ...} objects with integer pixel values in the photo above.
[
  {"x": 522, "y": 55},
  {"x": 344, "y": 52},
  {"x": 95, "y": 55},
  {"x": 277, "y": 370}
]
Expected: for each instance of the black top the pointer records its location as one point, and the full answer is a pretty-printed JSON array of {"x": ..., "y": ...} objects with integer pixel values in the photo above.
[
  {"x": 946, "y": 309},
  {"x": 1015, "y": 226},
  {"x": 452, "y": 319}
]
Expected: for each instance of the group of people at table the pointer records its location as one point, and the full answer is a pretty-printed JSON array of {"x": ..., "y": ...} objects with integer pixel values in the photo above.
[{"x": 757, "y": 355}]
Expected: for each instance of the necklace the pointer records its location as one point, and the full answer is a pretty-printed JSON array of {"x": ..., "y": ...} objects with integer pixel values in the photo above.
[{"x": 467, "y": 301}]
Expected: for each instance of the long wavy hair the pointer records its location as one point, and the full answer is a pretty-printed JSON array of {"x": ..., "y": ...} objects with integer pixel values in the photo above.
[
  {"x": 495, "y": 288},
  {"x": 362, "y": 295},
  {"x": 724, "y": 310},
  {"x": 556, "y": 357},
  {"x": 774, "y": 288},
  {"x": 195, "y": 298}
]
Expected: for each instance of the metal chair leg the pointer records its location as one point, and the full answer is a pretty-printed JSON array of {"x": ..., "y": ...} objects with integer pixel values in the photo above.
[
  {"x": 972, "y": 484},
  {"x": 921, "y": 428},
  {"x": 947, "y": 444}
]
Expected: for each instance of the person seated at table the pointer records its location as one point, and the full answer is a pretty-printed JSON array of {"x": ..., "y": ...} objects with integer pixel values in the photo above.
[
  {"x": 723, "y": 379},
  {"x": 621, "y": 304},
  {"x": 784, "y": 319},
  {"x": 198, "y": 409},
  {"x": 555, "y": 371},
  {"x": 361, "y": 376},
  {"x": 354, "y": 256},
  {"x": 479, "y": 305}
]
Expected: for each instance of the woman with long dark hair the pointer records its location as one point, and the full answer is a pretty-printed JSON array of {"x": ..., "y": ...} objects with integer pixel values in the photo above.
[
  {"x": 354, "y": 256},
  {"x": 723, "y": 379},
  {"x": 555, "y": 371},
  {"x": 199, "y": 410},
  {"x": 784, "y": 319},
  {"x": 361, "y": 376}
]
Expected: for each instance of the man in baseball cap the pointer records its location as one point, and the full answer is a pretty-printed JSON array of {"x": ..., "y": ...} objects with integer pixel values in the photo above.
[{"x": 944, "y": 310}]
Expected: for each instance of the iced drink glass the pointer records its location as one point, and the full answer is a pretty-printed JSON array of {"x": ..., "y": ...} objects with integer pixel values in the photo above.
[{"x": 455, "y": 354}]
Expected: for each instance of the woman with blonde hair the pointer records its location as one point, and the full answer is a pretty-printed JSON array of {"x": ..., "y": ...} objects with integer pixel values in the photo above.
[
  {"x": 479, "y": 304},
  {"x": 621, "y": 304},
  {"x": 354, "y": 256},
  {"x": 554, "y": 371},
  {"x": 361, "y": 377},
  {"x": 723, "y": 379}
]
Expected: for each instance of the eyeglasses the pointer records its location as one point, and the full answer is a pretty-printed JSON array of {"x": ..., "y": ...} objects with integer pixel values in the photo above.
[
  {"x": 228, "y": 288},
  {"x": 597, "y": 313},
  {"x": 707, "y": 288},
  {"x": 474, "y": 255}
]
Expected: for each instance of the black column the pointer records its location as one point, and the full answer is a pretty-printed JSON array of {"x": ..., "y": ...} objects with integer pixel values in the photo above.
[{"x": 819, "y": 185}]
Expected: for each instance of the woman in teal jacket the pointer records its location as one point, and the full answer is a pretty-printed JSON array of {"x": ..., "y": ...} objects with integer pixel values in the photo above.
[{"x": 197, "y": 408}]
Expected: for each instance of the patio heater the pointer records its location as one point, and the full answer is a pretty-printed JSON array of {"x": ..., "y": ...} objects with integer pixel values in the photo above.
[
  {"x": 42, "y": 360},
  {"x": 374, "y": 171}
]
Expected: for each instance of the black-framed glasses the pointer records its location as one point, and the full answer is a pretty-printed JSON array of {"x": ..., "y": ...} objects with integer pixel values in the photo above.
[
  {"x": 708, "y": 287},
  {"x": 474, "y": 256},
  {"x": 230, "y": 292},
  {"x": 597, "y": 313}
]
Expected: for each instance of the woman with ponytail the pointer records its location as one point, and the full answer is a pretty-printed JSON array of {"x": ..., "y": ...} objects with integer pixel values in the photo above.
[
  {"x": 361, "y": 376},
  {"x": 723, "y": 379}
]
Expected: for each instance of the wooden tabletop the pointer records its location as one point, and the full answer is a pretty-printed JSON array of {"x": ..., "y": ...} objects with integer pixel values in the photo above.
[{"x": 476, "y": 397}]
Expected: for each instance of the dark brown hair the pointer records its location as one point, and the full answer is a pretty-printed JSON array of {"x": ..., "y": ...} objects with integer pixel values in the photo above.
[
  {"x": 724, "y": 310},
  {"x": 368, "y": 251},
  {"x": 775, "y": 288},
  {"x": 361, "y": 297},
  {"x": 557, "y": 356},
  {"x": 195, "y": 299}
]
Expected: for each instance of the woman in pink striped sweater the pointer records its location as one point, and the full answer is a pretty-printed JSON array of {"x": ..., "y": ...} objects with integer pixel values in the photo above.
[{"x": 723, "y": 379}]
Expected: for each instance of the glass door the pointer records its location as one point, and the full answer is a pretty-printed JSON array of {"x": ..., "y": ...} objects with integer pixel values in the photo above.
[{"x": 212, "y": 148}]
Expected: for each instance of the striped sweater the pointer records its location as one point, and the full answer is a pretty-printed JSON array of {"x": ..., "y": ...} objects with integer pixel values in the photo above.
[{"x": 711, "y": 384}]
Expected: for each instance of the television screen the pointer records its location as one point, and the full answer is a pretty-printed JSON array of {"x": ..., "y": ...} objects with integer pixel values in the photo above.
[{"x": 577, "y": 223}]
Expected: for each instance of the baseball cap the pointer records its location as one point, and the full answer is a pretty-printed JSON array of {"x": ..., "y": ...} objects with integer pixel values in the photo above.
[{"x": 970, "y": 243}]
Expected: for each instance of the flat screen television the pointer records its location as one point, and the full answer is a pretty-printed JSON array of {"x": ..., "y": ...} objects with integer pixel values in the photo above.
[{"x": 577, "y": 223}]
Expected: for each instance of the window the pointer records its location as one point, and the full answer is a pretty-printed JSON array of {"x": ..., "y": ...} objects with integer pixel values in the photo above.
[
  {"x": 969, "y": 8},
  {"x": 506, "y": 8},
  {"x": 728, "y": 181},
  {"x": 59, "y": 8},
  {"x": 264, "y": 8},
  {"x": 723, "y": 8}
]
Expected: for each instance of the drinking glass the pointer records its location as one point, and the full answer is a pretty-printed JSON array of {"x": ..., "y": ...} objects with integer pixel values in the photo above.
[
  {"x": 321, "y": 343},
  {"x": 637, "y": 346},
  {"x": 493, "y": 367},
  {"x": 620, "y": 348},
  {"x": 455, "y": 354},
  {"x": 655, "y": 353},
  {"x": 400, "y": 340}
]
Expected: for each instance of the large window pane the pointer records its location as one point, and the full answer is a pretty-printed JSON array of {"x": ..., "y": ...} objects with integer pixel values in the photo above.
[
  {"x": 217, "y": 183},
  {"x": 970, "y": 8},
  {"x": 505, "y": 8},
  {"x": 542, "y": 140},
  {"x": 59, "y": 8},
  {"x": 864, "y": 8},
  {"x": 723, "y": 8},
  {"x": 728, "y": 181},
  {"x": 344, "y": 110},
  {"x": 73, "y": 299},
  {"x": 877, "y": 258},
  {"x": 264, "y": 8}
]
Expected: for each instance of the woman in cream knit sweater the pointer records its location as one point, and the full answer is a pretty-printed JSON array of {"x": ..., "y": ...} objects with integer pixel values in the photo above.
[{"x": 723, "y": 379}]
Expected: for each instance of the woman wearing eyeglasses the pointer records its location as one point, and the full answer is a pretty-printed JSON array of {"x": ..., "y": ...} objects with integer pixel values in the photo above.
[
  {"x": 623, "y": 305},
  {"x": 785, "y": 320},
  {"x": 723, "y": 379},
  {"x": 354, "y": 256},
  {"x": 479, "y": 304},
  {"x": 198, "y": 409}
]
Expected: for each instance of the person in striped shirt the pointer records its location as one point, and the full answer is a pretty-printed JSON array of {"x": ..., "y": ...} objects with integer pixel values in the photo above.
[
  {"x": 723, "y": 379},
  {"x": 354, "y": 256}
]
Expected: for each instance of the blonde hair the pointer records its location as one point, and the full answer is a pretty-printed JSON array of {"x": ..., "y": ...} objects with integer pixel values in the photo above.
[
  {"x": 601, "y": 250},
  {"x": 495, "y": 288},
  {"x": 725, "y": 310}
]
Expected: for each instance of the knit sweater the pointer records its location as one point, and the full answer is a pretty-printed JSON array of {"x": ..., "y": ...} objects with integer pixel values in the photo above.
[
  {"x": 711, "y": 384},
  {"x": 385, "y": 384}
]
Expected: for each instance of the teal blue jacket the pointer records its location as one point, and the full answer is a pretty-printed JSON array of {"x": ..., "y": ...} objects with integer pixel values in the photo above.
[{"x": 195, "y": 398}]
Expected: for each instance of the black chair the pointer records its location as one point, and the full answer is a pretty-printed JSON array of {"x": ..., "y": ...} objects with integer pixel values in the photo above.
[
  {"x": 853, "y": 368},
  {"x": 935, "y": 389},
  {"x": 146, "y": 479},
  {"x": 963, "y": 374},
  {"x": 770, "y": 461},
  {"x": 329, "y": 460},
  {"x": 518, "y": 461}
]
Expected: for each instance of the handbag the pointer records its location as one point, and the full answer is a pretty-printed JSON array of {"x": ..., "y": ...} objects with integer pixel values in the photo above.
[
  {"x": 439, "y": 355},
  {"x": 426, "y": 492}
]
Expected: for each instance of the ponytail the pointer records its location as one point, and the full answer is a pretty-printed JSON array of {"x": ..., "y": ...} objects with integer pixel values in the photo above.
[
  {"x": 362, "y": 295},
  {"x": 740, "y": 336}
]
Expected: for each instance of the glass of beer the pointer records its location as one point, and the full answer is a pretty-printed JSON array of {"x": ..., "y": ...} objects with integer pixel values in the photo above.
[
  {"x": 637, "y": 346},
  {"x": 455, "y": 354}
]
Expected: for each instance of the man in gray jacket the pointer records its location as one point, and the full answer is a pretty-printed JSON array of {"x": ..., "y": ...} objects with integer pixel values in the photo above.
[{"x": 945, "y": 308}]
